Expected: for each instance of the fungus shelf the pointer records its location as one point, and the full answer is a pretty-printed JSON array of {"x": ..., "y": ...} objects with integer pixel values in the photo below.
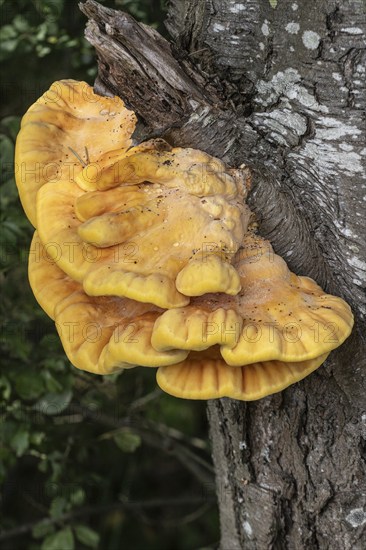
[{"x": 144, "y": 255}]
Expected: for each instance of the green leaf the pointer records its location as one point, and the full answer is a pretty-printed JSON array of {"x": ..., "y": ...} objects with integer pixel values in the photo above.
[
  {"x": 29, "y": 384},
  {"x": 127, "y": 441},
  {"x": 8, "y": 190},
  {"x": 87, "y": 536},
  {"x": 5, "y": 388},
  {"x": 36, "y": 438},
  {"x": 12, "y": 124},
  {"x": 6, "y": 149},
  {"x": 50, "y": 8},
  {"x": 9, "y": 45},
  {"x": 63, "y": 540},
  {"x": 6, "y": 32},
  {"x": 77, "y": 497},
  {"x": 42, "y": 32},
  {"x": 20, "y": 441},
  {"x": 273, "y": 3},
  {"x": 42, "y": 50},
  {"x": 53, "y": 403},
  {"x": 42, "y": 466},
  {"x": 11, "y": 226},
  {"x": 52, "y": 384},
  {"x": 57, "y": 507},
  {"x": 20, "y": 24},
  {"x": 42, "y": 529}
]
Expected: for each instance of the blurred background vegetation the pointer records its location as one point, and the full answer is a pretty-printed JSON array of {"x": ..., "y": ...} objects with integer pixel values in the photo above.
[{"x": 104, "y": 462}]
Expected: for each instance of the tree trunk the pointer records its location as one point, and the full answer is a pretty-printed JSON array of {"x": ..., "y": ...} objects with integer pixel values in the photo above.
[{"x": 279, "y": 86}]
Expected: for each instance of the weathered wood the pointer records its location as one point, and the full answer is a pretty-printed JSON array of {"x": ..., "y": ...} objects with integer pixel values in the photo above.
[{"x": 283, "y": 90}]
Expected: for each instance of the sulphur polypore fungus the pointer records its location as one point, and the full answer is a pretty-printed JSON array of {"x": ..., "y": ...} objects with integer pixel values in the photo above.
[
  {"x": 205, "y": 375},
  {"x": 101, "y": 334},
  {"x": 68, "y": 127},
  {"x": 143, "y": 255},
  {"x": 276, "y": 315},
  {"x": 151, "y": 241}
]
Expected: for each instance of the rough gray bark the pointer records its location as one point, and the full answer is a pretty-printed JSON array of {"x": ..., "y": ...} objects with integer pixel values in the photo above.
[{"x": 283, "y": 90}]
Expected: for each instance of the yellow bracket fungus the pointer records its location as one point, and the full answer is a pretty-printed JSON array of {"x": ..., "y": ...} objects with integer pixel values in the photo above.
[
  {"x": 151, "y": 242},
  {"x": 99, "y": 335},
  {"x": 276, "y": 315},
  {"x": 142, "y": 256},
  {"x": 67, "y": 123},
  {"x": 205, "y": 375}
]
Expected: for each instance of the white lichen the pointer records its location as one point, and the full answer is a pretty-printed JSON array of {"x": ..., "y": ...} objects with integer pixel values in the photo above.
[
  {"x": 280, "y": 121},
  {"x": 218, "y": 27},
  {"x": 277, "y": 86},
  {"x": 247, "y": 528},
  {"x": 265, "y": 452},
  {"x": 329, "y": 160},
  {"x": 303, "y": 96},
  {"x": 265, "y": 28},
  {"x": 357, "y": 263},
  {"x": 310, "y": 40},
  {"x": 236, "y": 8},
  {"x": 334, "y": 129},
  {"x": 287, "y": 83},
  {"x": 337, "y": 76},
  {"x": 348, "y": 233},
  {"x": 292, "y": 27},
  {"x": 356, "y": 517},
  {"x": 352, "y": 30},
  {"x": 346, "y": 147},
  {"x": 294, "y": 6}
]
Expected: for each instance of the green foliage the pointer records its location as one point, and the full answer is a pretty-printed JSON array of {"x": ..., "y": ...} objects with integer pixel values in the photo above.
[
  {"x": 85, "y": 461},
  {"x": 63, "y": 539},
  {"x": 87, "y": 536},
  {"x": 36, "y": 28},
  {"x": 127, "y": 441}
]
